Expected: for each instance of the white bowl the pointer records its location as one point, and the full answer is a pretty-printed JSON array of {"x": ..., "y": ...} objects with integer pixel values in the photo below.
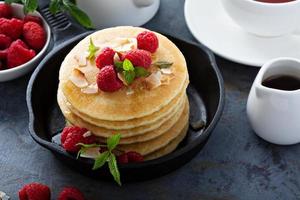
[{"x": 13, "y": 73}]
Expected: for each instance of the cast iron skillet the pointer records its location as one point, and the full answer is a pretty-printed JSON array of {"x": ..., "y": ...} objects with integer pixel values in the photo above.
[{"x": 206, "y": 95}]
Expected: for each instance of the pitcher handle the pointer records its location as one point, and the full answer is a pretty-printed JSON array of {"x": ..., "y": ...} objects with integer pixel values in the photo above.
[{"x": 143, "y": 3}]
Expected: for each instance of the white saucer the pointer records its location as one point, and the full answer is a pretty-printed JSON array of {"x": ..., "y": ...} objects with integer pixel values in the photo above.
[{"x": 210, "y": 25}]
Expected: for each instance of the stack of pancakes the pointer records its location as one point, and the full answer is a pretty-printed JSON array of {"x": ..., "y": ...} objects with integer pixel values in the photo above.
[{"x": 152, "y": 122}]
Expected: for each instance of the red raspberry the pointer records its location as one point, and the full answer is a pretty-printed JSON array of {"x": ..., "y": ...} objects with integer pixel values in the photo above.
[
  {"x": 71, "y": 136},
  {"x": 5, "y": 41},
  {"x": 134, "y": 157},
  {"x": 138, "y": 57},
  {"x": 70, "y": 193},
  {"x": 1, "y": 66},
  {"x": 5, "y": 10},
  {"x": 34, "y": 35},
  {"x": 106, "y": 57},
  {"x": 148, "y": 41},
  {"x": 18, "y": 54},
  {"x": 11, "y": 27},
  {"x": 123, "y": 158},
  {"x": 3, "y": 54},
  {"x": 107, "y": 79},
  {"x": 31, "y": 18},
  {"x": 34, "y": 191}
]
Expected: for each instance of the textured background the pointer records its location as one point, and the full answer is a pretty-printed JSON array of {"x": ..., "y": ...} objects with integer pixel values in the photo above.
[{"x": 235, "y": 163}]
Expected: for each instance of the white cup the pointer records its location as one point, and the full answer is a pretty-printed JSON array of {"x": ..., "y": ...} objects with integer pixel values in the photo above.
[
  {"x": 109, "y": 13},
  {"x": 265, "y": 19}
]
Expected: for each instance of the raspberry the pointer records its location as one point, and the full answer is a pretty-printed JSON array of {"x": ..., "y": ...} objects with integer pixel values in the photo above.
[
  {"x": 1, "y": 66},
  {"x": 34, "y": 191},
  {"x": 5, "y": 10},
  {"x": 134, "y": 157},
  {"x": 31, "y": 18},
  {"x": 138, "y": 57},
  {"x": 71, "y": 136},
  {"x": 106, "y": 57},
  {"x": 3, "y": 54},
  {"x": 148, "y": 41},
  {"x": 70, "y": 193},
  {"x": 18, "y": 54},
  {"x": 107, "y": 80},
  {"x": 11, "y": 27},
  {"x": 5, "y": 41},
  {"x": 34, "y": 35},
  {"x": 123, "y": 158}
]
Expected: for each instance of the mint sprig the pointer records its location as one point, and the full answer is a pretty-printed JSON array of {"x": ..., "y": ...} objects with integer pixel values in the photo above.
[
  {"x": 107, "y": 156},
  {"x": 129, "y": 71},
  {"x": 92, "y": 50}
]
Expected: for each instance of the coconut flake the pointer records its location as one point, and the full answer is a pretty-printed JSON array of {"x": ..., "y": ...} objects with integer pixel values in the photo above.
[
  {"x": 91, "y": 152},
  {"x": 129, "y": 91},
  {"x": 127, "y": 45},
  {"x": 166, "y": 71},
  {"x": 121, "y": 77},
  {"x": 81, "y": 59},
  {"x": 78, "y": 78},
  {"x": 91, "y": 89},
  {"x": 154, "y": 80},
  {"x": 87, "y": 134}
]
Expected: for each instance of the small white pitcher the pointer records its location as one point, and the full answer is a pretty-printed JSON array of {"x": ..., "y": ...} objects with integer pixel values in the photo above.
[
  {"x": 109, "y": 13},
  {"x": 275, "y": 114}
]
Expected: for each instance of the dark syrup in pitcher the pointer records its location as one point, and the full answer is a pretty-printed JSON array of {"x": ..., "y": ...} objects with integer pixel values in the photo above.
[{"x": 282, "y": 82}]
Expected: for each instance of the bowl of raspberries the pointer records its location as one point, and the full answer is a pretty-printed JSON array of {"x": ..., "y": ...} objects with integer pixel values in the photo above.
[{"x": 23, "y": 40}]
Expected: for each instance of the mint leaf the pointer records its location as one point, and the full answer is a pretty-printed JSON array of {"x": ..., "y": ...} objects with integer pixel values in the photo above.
[
  {"x": 12, "y": 1},
  {"x": 119, "y": 66},
  {"x": 141, "y": 72},
  {"x": 89, "y": 145},
  {"x": 101, "y": 159},
  {"x": 113, "y": 141},
  {"x": 55, "y": 6},
  {"x": 77, "y": 14},
  {"x": 163, "y": 64},
  {"x": 92, "y": 50},
  {"x": 129, "y": 76},
  {"x": 30, "y": 5},
  {"x": 113, "y": 168},
  {"x": 127, "y": 65}
]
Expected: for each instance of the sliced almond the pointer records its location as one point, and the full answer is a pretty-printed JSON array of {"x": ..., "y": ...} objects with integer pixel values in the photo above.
[
  {"x": 154, "y": 80},
  {"x": 91, "y": 153},
  {"x": 91, "y": 89},
  {"x": 78, "y": 78}
]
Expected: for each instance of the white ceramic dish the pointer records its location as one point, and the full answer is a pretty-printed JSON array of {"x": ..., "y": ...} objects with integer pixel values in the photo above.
[
  {"x": 10, "y": 74},
  {"x": 274, "y": 114},
  {"x": 211, "y": 25}
]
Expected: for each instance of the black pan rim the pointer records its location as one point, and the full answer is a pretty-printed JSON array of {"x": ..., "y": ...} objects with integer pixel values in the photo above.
[{"x": 166, "y": 158}]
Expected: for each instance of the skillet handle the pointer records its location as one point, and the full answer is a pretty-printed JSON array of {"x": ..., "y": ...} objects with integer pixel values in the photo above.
[{"x": 61, "y": 26}]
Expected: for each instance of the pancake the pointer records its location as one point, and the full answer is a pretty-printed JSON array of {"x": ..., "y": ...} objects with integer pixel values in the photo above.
[
  {"x": 158, "y": 116},
  {"x": 128, "y": 136},
  {"x": 118, "y": 106},
  {"x": 169, "y": 148},
  {"x": 148, "y": 147}
]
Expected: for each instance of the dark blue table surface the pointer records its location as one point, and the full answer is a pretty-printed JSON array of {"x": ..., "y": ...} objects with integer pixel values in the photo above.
[{"x": 234, "y": 164}]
